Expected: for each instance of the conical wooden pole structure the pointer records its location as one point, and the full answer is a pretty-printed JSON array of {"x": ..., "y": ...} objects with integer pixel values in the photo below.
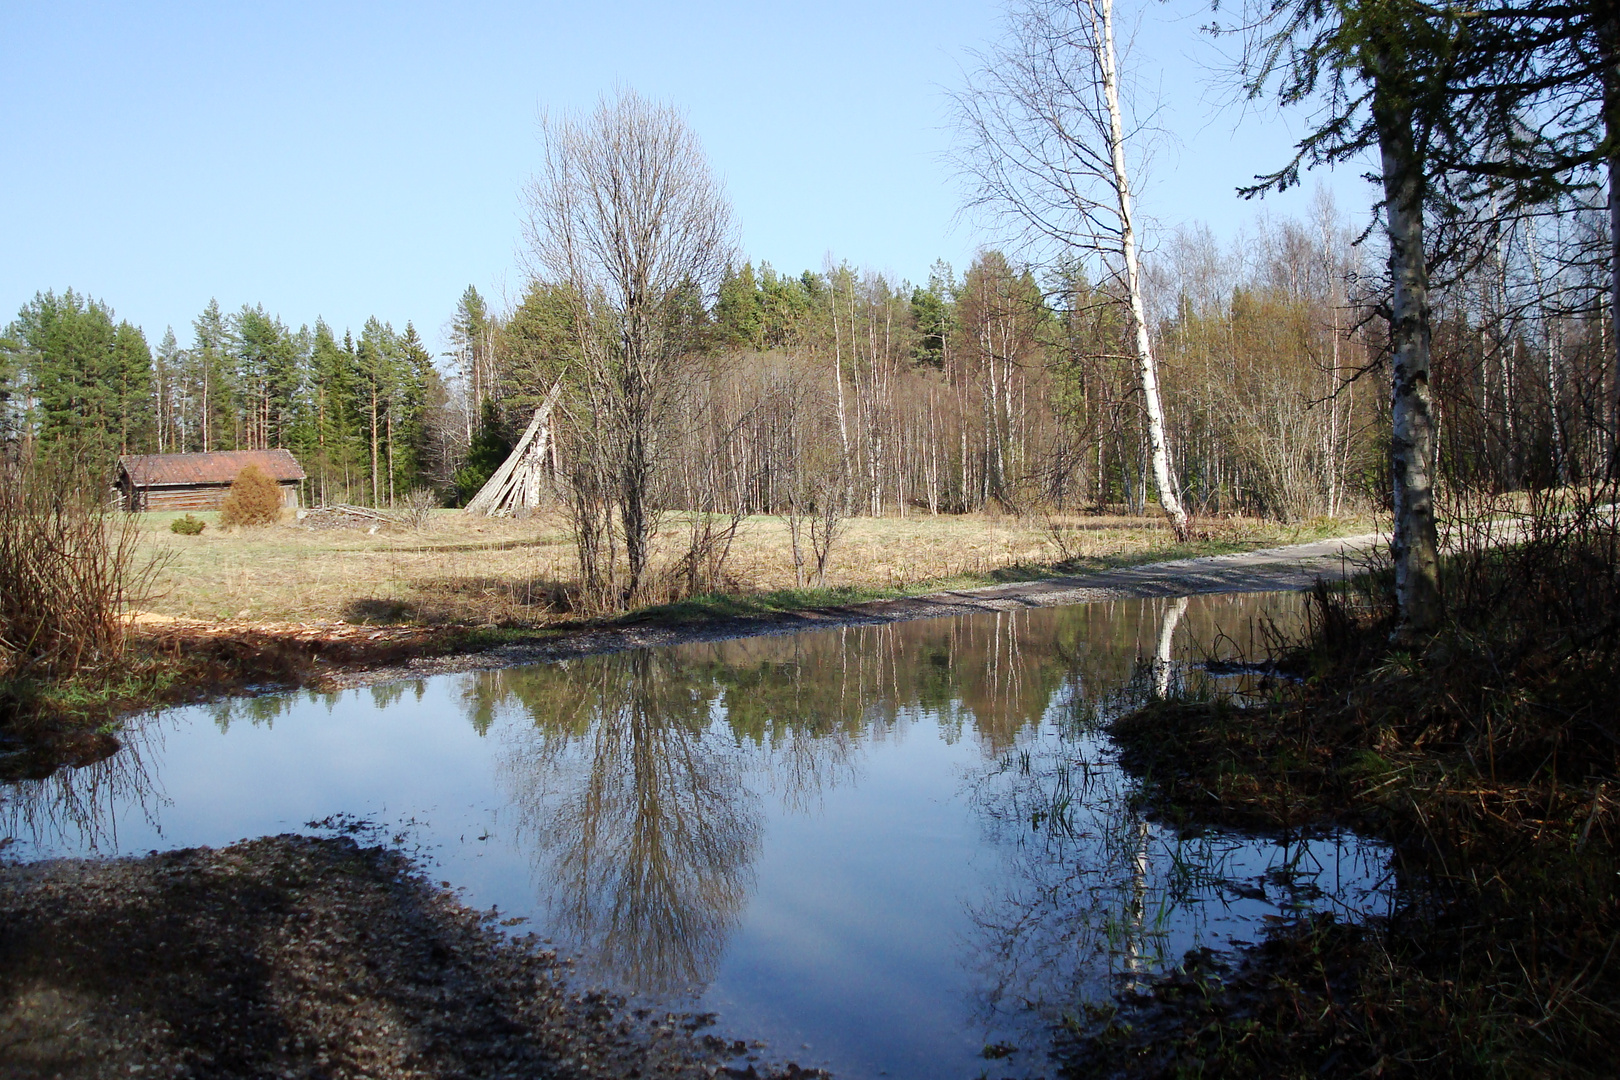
[{"x": 516, "y": 484}]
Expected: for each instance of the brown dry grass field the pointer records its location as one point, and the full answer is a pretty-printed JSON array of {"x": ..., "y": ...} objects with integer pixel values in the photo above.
[{"x": 476, "y": 571}]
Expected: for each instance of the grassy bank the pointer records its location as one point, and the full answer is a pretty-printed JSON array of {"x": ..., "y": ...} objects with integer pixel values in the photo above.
[
  {"x": 1489, "y": 759},
  {"x": 474, "y": 571},
  {"x": 284, "y": 606}
]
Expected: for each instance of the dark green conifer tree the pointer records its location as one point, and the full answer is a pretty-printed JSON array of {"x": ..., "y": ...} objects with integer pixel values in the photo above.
[
  {"x": 410, "y": 439},
  {"x": 738, "y": 312},
  {"x": 84, "y": 381},
  {"x": 491, "y": 445},
  {"x": 130, "y": 418}
]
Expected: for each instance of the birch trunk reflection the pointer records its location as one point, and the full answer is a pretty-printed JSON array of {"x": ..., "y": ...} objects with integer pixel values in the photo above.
[
  {"x": 1161, "y": 654},
  {"x": 1092, "y": 897}
]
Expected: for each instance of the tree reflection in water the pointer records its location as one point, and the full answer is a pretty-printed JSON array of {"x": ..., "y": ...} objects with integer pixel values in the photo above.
[
  {"x": 78, "y": 807},
  {"x": 633, "y": 804},
  {"x": 1093, "y": 897},
  {"x": 638, "y": 779}
]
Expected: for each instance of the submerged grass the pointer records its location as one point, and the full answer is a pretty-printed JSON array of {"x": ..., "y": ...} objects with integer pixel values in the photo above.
[{"x": 1489, "y": 758}]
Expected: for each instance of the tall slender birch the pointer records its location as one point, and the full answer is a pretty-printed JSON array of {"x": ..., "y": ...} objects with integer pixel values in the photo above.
[
  {"x": 1045, "y": 153},
  {"x": 1147, "y": 370}
]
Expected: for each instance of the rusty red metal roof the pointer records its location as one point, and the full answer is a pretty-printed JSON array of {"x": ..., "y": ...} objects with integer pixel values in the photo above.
[{"x": 220, "y": 467}]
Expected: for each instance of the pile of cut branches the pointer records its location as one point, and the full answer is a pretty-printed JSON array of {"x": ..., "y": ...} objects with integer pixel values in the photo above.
[{"x": 344, "y": 516}]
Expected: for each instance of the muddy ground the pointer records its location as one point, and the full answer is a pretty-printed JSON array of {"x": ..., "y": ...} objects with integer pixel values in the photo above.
[{"x": 298, "y": 957}]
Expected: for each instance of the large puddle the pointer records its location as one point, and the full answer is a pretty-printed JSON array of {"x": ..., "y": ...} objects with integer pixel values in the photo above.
[{"x": 892, "y": 851}]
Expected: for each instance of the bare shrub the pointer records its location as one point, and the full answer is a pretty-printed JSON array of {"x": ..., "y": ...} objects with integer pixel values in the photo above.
[
  {"x": 418, "y": 508},
  {"x": 69, "y": 569},
  {"x": 1069, "y": 542},
  {"x": 254, "y": 499},
  {"x": 826, "y": 521},
  {"x": 702, "y": 567}
]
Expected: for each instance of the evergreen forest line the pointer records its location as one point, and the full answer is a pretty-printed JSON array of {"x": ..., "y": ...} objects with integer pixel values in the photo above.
[{"x": 360, "y": 415}]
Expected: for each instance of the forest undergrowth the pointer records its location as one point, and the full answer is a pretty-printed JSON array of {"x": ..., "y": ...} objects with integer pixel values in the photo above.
[{"x": 1489, "y": 758}]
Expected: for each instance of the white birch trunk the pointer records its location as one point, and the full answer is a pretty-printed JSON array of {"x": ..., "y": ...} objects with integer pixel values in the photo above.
[
  {"x": 1414, "y": 543},
  {"x": 1102, "y": 14}
]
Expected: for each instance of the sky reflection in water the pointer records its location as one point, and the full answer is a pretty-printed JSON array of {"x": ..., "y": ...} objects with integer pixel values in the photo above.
[{"x": 880, "y": 848}]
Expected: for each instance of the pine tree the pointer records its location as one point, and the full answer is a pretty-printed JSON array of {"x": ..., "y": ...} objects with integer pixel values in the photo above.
[
  {"x": 375, "y": 370},
  {"x": 130, "y": 415},
  {"x": 409, "y": 432},
  {"x": 472, "y": 334},
  {"x": 933, "y": 313},
  {"x": 66, "y": 358},
  {"x": 207, "y": 387},
  {"x": 329, "y": 450},
  {"x": 167, "y": 403},
  {"x": 267, "y": 377},
  {"x": 738, "y": 312},
  {"x": 534, "y": 346}
]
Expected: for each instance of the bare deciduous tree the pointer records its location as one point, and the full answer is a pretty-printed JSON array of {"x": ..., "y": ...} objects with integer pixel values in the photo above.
[
  {"x": 626, "y": 217},
  {"x": 1045, "y": 152}
]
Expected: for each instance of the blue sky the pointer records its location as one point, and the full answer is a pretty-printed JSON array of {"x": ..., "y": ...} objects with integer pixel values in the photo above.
[{"x": 346, "y": 160}]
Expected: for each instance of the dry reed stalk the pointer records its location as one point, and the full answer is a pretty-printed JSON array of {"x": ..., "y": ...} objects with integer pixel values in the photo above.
[{"x": 70, "y": 568}]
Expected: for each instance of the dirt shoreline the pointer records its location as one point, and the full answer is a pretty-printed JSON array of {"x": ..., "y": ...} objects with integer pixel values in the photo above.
[
  {"x": 307, "y": 958},
  {"x": 1280, "y": 569}
]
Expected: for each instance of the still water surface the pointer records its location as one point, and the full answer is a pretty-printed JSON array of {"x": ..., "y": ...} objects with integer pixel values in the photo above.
[{"x": 880, "y": 849}]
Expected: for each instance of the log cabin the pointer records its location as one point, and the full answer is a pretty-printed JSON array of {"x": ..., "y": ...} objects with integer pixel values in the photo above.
[{"x": 200, "y": 481}]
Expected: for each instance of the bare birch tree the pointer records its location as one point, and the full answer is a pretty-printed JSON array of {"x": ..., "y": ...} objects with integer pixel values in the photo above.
[
  {"x": 1045, "y": 140},
  {"x": 626, "y": 217}
]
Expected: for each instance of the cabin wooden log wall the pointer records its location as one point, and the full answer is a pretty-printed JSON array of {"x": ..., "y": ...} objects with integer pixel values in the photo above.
[{"x": 200, "y": 481}]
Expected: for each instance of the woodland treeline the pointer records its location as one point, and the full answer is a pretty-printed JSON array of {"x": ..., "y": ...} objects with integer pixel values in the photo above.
[
  {"x": 991, "y": 387},
  {"x": 365, "y": 416}
]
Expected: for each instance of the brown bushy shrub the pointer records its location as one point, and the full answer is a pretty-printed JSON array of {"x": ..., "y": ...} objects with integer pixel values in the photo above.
[
  {"x": 254, "y": 499},
  {"x": 69, "y": 569}
]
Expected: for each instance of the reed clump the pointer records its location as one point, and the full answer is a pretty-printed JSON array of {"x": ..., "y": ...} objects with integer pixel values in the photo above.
[
  {"x": 1489, "y": 758},
  {"x": 70, "y": 567}
]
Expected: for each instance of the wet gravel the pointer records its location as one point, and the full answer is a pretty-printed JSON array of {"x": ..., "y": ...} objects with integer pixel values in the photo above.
[{"x": 301, "y": 957}]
